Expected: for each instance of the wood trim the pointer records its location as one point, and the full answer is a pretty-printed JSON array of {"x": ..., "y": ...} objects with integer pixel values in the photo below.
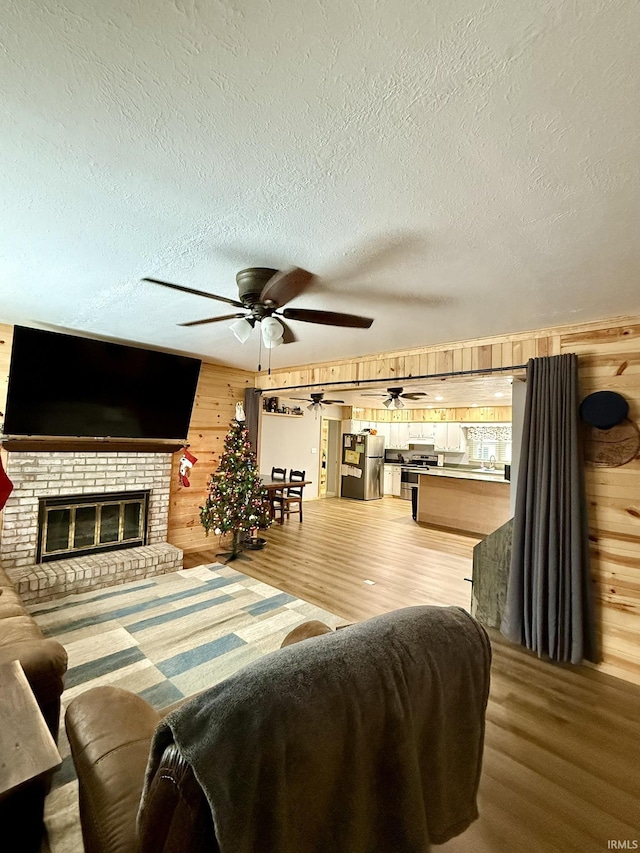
[{"x": 28, "y": 444}]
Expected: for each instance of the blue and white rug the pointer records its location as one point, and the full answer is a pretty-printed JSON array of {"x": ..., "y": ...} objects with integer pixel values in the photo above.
[{"x": 163, "y": 638}]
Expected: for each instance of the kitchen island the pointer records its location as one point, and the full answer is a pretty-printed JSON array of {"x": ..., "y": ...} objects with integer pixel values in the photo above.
[{"x": 474, "y": 502}]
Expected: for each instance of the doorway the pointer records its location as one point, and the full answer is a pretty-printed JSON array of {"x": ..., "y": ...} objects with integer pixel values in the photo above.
[{"x": 329, "y": 458}]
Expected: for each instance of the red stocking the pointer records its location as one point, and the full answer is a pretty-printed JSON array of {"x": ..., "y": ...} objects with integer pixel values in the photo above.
[
  {"x": 6, "y": 486},
  {"x": 187, "y": 461}
]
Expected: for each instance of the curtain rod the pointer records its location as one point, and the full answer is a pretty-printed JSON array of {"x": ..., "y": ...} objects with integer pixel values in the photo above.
[{"x": 356, "y": 383}]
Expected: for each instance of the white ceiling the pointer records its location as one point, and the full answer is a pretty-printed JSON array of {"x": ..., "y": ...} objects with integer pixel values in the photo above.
[
  {"x": 454, "y": 392},
  {"x": 452, "y": 169}
]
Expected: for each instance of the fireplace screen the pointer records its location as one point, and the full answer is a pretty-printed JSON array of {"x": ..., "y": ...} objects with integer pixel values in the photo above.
[{"x": 86, "y": 524}]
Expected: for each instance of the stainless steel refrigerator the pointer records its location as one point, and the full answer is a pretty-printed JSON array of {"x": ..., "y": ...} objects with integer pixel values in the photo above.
[{"x": 362, "y": 467}]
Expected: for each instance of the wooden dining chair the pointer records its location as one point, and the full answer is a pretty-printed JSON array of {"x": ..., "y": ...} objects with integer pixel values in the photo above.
[
  {"x": 275, "y": 495},
  {"x": 292, "y": 499}
]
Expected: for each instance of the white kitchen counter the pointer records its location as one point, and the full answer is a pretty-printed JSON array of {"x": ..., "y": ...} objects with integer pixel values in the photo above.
[{"x": 461, "y": 474}]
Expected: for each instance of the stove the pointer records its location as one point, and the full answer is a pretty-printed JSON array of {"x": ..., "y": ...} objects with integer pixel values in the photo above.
[
  {"x": 423, "y": 460},
  {"x": 409, "y": 475}
]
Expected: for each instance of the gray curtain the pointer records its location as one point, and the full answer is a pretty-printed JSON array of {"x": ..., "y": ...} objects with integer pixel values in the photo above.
[
  {"x": 549, "y": 599},
  {"x": 252, "y": 403}
]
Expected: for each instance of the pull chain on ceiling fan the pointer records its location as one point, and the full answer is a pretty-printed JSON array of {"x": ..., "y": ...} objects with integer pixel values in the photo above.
[{"x": 262, "y": 292}]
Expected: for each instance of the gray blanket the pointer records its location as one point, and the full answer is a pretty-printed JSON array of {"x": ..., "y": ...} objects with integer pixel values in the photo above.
[{"x": 366, "y": 739}]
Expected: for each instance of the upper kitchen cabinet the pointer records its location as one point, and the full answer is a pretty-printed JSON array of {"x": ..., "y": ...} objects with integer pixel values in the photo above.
[
  {"x": 450, "y": 437},
  {"x": 399, "y": 436},
  {"x": 422, "y": 432}
]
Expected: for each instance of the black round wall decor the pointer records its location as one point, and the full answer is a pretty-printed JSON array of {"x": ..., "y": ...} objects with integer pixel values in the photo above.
[{"x": 604, "y": 409}]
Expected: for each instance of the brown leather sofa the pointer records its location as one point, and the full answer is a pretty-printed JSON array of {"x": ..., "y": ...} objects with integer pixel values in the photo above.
[
  {"x": 44, "y": 662},
  {"x": 111, "y": 734}
]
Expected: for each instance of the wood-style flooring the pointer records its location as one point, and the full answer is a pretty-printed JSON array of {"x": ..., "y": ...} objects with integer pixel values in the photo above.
[{"x": 561, "y": 767}]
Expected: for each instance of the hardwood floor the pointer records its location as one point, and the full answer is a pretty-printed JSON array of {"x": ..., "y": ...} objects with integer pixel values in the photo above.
[{"x": 561, "y": 768}]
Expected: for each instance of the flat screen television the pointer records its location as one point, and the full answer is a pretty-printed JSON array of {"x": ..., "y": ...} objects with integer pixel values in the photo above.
[{"x": 62, "y": 385}]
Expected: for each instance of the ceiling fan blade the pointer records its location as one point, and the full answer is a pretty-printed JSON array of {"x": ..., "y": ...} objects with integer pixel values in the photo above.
[
  {"x": 288, "y": 335},
  {"x": 414, "y": 395},
  {"x": 192, "y": 290},
  {"x": 327, "y": 318},
  {"x": 302, "y": 399},
  {"x": 329, "y": 402},
  {"x": 284, "y": 286},
  {"x": 216, "y": 320}
]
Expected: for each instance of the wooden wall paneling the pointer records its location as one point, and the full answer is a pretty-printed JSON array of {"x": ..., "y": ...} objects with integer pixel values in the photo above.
[
  {"x": 613, "y": 335},
  {"x": 219, "y": 389},
  {"x": 610, "y": 365},
  {"x": 412, "y": 365},
  {"x": 444, "y": 361},
  {"x": 485, "y": 354},
  {"x": 609, "y": 359}
]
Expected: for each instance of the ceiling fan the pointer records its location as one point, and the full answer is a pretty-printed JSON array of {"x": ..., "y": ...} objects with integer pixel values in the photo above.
[
  {"x": 262, "y": 292},
  {"x": 394, "y": 400},
  {"x": 317, "y": 401}
]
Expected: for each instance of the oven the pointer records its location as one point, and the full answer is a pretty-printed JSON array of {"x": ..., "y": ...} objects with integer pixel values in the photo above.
[{"x": 408, "y": 479}]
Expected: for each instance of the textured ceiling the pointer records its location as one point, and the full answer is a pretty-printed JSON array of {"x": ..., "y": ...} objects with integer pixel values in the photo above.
[{"x": 451, "y": 169}]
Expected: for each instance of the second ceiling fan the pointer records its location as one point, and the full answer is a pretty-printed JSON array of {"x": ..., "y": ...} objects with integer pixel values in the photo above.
[
  {"x": 317, "y": 401},
  {"x": 262, "y": 292},
  {"x": 394, "y": 400}
]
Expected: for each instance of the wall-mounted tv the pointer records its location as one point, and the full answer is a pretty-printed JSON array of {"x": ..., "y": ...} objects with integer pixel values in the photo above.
[{"x": 62, "y": 385}]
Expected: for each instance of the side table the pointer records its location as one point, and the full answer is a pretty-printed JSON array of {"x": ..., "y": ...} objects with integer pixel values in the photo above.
[{"x": 26, "y": 746}]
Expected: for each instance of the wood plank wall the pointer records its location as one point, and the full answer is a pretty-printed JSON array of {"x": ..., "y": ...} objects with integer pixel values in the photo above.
[
  {"x": 219, "y": 389},
  {"x": 489, "y": 414},
  {"x": 609, "y": 359}
]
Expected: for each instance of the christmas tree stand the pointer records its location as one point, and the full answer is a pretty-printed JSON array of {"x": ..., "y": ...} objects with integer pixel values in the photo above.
[{"x": 236, "y": 551}]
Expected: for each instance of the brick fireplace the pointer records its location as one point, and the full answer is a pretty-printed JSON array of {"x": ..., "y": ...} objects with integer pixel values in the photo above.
[{"x": 49, "y": 478}]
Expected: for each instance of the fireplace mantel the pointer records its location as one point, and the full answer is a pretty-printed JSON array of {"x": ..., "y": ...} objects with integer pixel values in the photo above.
[{"x": 53, "y": 443}]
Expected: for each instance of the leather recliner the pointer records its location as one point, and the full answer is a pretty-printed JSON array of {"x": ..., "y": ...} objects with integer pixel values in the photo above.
[
  {"x": 110, "y": 732},
  {"x": 298, "y": 752}
]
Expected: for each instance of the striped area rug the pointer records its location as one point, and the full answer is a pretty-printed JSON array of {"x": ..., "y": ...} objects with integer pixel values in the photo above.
[{"x": 163, "y": 638}]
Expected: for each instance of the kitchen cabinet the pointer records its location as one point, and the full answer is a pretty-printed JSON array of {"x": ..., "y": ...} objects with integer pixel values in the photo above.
[
  {"x": 396, "y": 484},
  {"x": 392, "y": 480},
  {"x": 399, "y": 436},
  {"x": 450, "y": 437},
  {"x": 385, "y": 431},
  {"x": 423, "y": 433}
]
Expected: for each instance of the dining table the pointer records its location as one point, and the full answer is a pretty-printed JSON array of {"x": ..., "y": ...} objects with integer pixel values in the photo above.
[{"x": 273, "y": 485}]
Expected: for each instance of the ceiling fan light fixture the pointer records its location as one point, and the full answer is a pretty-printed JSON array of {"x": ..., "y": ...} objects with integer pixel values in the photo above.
[
  {"x": 268, "y": 344},
  {"x": 241, "y": 329},
  {"x": 399, "y": 404},
  {"x": 272, "y": 332},
  {"x": 388, "y": 403}
]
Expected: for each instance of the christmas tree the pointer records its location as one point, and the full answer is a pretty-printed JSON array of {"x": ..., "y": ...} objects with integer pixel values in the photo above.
[{"x": 236, "y": 501}]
